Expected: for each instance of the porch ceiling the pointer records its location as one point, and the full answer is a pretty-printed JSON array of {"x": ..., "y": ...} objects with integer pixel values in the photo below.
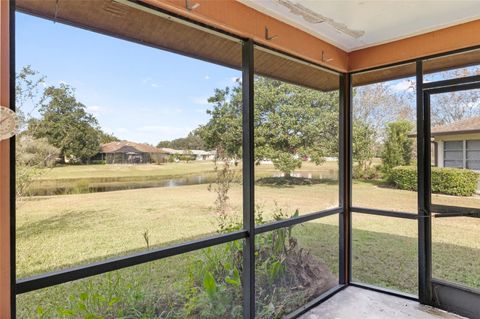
[
  {"x": 374, "y": 17},
  {"x": 124, "y": 21},
  {"x": 356, "y": 24}
]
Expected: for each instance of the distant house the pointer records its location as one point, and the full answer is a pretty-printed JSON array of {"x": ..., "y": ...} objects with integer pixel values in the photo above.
[
  {"x": 201, "y": 155},
  {"x": 198, "y": 155},
  {"x": 457, "y": 144},
  {"x": 125, "y": 152}
]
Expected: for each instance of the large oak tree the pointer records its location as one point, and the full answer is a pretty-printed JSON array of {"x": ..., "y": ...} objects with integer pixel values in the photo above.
[{"x": 292, "y": 123}]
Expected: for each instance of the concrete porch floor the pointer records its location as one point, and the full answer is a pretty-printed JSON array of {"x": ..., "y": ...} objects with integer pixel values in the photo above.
[{"x": 356, "y": 303}]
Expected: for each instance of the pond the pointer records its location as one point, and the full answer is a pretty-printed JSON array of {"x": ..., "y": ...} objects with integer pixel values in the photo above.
[{"x": 82, "y": 186}]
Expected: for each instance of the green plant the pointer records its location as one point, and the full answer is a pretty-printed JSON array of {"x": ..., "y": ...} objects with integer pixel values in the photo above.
[
  {"x": 398, "y": 147},
  {"x": 111, "y": 297},
  {"x": 450, "y": 181},
  {"x": 291, "y": 123},
  {"x": 146, "y": 238},
  {"x": 366, "y": 171},
  {"x": 363, "y": 150},
  {"x": 227, "y": 219}
]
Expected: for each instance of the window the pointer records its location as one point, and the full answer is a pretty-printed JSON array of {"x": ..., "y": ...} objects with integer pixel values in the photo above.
[
  {"x": 201, "y": 284},
  {"x": 384, "y": 138},
  {"x": 123, "y": 188},
  {"x": 453, "y": 154},
  {"x": 168, "y": 172},
  {"x": 473, "y": 154},
  {"x": 296, "y": 136},
  {"x": 452, "y": 66},
  {"x": 384, "y": 252},
  {"x": 295, "y": 265},
  {"x": 462, "y": 154}
]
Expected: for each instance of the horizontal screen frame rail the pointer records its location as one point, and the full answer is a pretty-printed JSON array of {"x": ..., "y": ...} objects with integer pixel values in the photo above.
[
  {"x": 97, "y": 268},
  {"x": 297, "y": 220},
  {"x": 386, "y": 213}
]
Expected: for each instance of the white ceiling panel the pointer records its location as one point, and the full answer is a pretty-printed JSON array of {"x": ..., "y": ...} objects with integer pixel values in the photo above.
[{"x": 352, "y": 25}]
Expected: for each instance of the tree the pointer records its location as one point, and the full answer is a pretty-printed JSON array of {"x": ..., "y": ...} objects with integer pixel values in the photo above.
[
  {"x": 454, "y": 106},
  {"x": 28, "y": 86},
  {"x": 379, "y": 104},
  {"x": 192, "y": 142},
  {"x": 363, "y": 149},
  {"x": 398, "y": 146},
  {"x": 223, "y": 132},
  {"x": 66, "y": 125},
  {"x": 106, "y": 137},
  {"x": 35, "y": 152},
  {"x": 291, "y": 123}
]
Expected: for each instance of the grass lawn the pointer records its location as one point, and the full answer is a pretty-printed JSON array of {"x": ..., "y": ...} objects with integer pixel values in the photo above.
[
  {"x": 55, "y": 232},
  {"x": 152, "y": 170}
]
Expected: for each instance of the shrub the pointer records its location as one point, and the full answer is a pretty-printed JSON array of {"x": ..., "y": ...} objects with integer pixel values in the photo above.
[
  {"x": 366, "y": 172},
  {"x": 450, "y": 181},
  {"x": 397, "y": 150}
]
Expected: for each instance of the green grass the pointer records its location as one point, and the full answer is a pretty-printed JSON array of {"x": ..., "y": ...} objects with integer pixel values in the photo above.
[
  {"x": 55, "y": 232},
  {"x": 164, "y": 170}
]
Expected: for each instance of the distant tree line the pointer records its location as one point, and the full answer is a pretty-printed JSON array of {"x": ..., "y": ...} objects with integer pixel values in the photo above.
[{"x": 192, "y": 142}]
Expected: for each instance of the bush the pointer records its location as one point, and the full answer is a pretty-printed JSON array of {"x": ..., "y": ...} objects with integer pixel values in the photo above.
[
  {"x": 450, "y": 181},
  {"x": 397, "y": 150},
  {"x": 366, "y": 172}
]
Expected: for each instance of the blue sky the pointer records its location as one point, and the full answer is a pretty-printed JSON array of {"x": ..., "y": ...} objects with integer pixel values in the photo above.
[{"x": 136, "y": 92}]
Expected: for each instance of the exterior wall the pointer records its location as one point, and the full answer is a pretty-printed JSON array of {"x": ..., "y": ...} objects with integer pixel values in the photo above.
[
  {"x": 458, "y": 137},
  {"x": 440, "y": 153},
  {"x": 444, "y": 40}
]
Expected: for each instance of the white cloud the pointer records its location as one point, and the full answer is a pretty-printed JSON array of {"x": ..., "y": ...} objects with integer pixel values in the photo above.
[
  {"x": 165, "y": 130},
  {"x": 170, "y": 110},
  {"x": 146, "y": 80},
  {"x": 120, "y": 130},
  {"x": 97, "y": 110},
  {"x": 206, "y": 77},
  {"x": 234, "y": 79},
  {"x": 201, "y": 111},
  {"x": 201, "y": 100},
  {"x": 149, "y": 81}
]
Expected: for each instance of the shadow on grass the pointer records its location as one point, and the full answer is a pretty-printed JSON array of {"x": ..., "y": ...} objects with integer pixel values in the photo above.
[{"x": 58, "y": 223}]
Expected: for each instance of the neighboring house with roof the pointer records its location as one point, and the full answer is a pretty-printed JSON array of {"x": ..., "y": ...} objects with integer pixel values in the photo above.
[
  {"x": 201, "y": 155},
  {"x": 198, "y": 155},
  {"x": 125, "y": 152},
  {"x": 457, "y": 144}
]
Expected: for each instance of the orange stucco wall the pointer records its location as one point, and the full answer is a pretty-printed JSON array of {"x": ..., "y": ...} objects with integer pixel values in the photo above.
[
  {"x": 4, "y": 167},
  {"x": 444, "y": 40}
]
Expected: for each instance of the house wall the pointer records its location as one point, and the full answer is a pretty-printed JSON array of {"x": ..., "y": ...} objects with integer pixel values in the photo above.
[
  {"x": 458, "y": 137},
  {"x": 440, "y": 154}
]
